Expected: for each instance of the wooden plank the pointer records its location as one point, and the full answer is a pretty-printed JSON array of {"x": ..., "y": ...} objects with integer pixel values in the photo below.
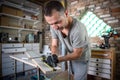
[
  {"x": 23, "y": 58},
  {"x": 36, "y": 58},
  {"x": 32, "y": 54}
]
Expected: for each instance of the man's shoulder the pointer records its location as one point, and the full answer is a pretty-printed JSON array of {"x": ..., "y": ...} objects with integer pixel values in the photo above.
[{"x": 77, "y": 21}]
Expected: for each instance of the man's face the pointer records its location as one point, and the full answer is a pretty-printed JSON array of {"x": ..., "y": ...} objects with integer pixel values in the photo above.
[{"x": 57, "y": 20}]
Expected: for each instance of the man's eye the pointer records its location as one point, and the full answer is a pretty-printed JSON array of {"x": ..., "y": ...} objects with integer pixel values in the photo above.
[{"x": 57, "y": 22}]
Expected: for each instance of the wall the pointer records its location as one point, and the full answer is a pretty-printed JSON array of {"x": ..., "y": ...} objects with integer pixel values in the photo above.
[{"x": 108, "y": 10}]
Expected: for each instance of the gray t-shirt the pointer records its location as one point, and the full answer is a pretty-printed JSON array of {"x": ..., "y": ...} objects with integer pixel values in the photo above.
[{"x": 77, "y": 38}]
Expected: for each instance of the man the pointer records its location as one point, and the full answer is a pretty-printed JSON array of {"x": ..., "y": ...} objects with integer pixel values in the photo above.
[{"x": 72, "y": 33}]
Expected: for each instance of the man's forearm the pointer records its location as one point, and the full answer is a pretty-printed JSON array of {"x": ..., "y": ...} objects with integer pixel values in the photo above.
[
  {"x": 54, "y": 49},
  {"x": 71, "y": 56},
  {"x": 67, "y": 57}
]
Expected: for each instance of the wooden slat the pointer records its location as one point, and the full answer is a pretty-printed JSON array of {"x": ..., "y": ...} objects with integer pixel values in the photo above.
[
  {"x": 23, "y": 58},
  {"x": 45, "y": 68},
  {"x": 34, "y": 59}
]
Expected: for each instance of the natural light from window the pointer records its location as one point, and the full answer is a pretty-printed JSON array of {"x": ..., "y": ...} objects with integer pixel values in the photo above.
[{"x": 95, "y": 26}]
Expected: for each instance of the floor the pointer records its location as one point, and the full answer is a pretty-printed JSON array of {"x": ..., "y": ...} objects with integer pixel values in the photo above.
[
  {"x": 21, "y": 76},
  {"x": 32, "y": 75}
]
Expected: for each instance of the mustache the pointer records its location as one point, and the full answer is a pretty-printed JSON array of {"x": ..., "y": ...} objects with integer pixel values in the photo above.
[{"x": 61, "y": 28}]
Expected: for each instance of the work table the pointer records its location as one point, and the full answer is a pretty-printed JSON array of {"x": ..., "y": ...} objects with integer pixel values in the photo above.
[{"x": 102, "y": 63}]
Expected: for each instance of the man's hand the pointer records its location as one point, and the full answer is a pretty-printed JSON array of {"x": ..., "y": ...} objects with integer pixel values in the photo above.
[{"x": 52, "y": 60}]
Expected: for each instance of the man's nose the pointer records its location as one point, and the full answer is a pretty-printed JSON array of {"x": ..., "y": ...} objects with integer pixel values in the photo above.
[{"x": 54, "y": 26}]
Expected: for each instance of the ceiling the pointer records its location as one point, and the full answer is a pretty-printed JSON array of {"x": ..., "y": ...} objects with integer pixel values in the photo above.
[
  {"x": 39, "y": 2},
  {"x": 42, "y": 2}
]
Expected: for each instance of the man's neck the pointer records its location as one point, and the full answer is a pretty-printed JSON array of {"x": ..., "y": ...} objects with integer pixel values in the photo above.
[{"x": 66, "y": 30}]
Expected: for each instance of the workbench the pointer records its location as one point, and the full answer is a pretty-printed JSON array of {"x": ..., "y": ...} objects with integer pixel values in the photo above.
[
  {"x": 102, "y": 63},
  {"x": 34, "y": 59}
]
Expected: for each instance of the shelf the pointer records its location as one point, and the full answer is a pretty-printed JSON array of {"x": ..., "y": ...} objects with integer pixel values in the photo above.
[
  {"x": 118, "y": 28},
  {"x": 117, "y": 39},
  {"x": 29, "y": 29},
  {"x": 99, "y": 49},
  {"x": 22, "y": 29},
  {"x": 36, "y": 12},
  {"x": 18, "y": 17}
]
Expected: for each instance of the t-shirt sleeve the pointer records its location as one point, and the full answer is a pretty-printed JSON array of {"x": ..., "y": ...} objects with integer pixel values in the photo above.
[
  {"x": 80, "y": 38},
  {"x": 53, "y": 33}
]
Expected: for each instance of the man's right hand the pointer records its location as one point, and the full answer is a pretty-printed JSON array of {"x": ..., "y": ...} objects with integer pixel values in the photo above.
[{"x": 52, "y": 60}]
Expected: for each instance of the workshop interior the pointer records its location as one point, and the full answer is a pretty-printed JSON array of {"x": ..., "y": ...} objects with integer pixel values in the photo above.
[{"x": 25, "y": 39}]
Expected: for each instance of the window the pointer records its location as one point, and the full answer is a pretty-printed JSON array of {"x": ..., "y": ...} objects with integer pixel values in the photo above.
[{"x": 95, "y": 26}]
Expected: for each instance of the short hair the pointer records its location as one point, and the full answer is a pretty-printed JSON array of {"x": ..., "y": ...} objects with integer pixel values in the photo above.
[{"x": 53, "y": 5}]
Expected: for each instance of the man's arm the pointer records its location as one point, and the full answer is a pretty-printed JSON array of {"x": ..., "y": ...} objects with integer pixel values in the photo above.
[
  {"x": 77, "y": 52},
  {"x": 54, "y": 45}
]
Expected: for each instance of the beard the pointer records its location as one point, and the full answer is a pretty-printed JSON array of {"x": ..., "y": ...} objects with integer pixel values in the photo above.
[
  {"x": 64, "y": 26},
  {"x": 61, "y": 28}
]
